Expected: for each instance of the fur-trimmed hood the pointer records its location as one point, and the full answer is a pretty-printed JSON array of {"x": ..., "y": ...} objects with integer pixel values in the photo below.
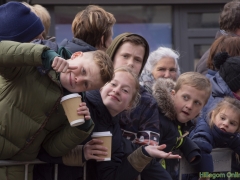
[{"x": 162, "y": 93}]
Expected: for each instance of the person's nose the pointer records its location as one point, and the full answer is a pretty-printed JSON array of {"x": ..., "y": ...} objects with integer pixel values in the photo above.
[
  {"x": 189, "y": 105},
  {"x": 116, "y": 90},
  {"x": 130, "y": 63},
  {"x": 225, "y": 123},
  {"x": 167, "y": 74},
  {"x": 78, "y": 79}
]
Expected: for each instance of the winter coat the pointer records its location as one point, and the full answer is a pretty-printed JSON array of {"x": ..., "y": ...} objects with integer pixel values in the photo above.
[
  {"x": 134, "y": 124},
  {"x": 76, "y": 44},
  {"x": 170, "y": 128},
  {"x": 144, "y": 117},
  {"x": 119, "y": 167},
  {"x": 31, "y": 114}
]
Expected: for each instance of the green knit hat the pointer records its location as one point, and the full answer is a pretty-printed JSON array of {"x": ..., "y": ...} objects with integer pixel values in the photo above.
[{"x": 117, "y": 42}]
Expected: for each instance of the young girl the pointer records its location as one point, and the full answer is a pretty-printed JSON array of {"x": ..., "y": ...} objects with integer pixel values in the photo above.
[
  {"x": 119, "y": 94},
  {"x": 222, "y": 131}
]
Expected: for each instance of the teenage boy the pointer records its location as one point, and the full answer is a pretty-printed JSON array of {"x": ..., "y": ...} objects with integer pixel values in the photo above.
[{"x": 30, "y": 93}]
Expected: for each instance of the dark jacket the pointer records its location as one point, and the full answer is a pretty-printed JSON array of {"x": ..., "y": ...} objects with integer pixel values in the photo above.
[
  {"x": 170, "y": 128},
  {"x": 144, "y": 117},
  {"x": 75, "y": 45},
  {"x": 119, "y": 165}
]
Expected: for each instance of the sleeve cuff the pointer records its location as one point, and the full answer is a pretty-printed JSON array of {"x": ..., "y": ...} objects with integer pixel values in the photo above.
[
  {"x": 86, "y": 126},
  {"x": 138, "y": 159}
]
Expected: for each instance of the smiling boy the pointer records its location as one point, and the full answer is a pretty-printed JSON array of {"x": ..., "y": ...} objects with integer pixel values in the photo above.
[
  {"x": 31, "y": 91},
  {"x": 86, "y": 74}
]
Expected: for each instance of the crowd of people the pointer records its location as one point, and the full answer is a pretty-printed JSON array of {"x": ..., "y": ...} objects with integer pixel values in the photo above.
[{"x": 151, "y": 109}]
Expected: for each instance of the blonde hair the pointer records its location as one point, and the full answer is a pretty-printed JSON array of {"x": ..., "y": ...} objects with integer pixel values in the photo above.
[
  {"x": 136, "y": 96},
  {"x": 196, "y": 80},
  {"x": 91, "y": 24},
  {"x": 227, "y": 102},
  {"x": 105, "y": 64},
  {"x": 43, "y": 14}
]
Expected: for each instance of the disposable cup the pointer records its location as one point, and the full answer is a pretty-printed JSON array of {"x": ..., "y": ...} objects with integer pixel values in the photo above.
[
  {"x": 70, "y": 104},
  {"x": 106, "y": 137}
]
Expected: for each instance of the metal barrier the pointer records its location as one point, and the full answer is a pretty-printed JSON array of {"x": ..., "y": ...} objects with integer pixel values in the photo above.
[
  {"x": 222, "y": 159},
  {"x": 36, "y": 161},
  {"x": 26, "y": 163}
]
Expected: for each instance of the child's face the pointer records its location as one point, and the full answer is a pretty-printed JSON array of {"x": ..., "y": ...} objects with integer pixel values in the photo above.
[
  {"x": 85, "y": 77},
  {"x": 130, "y": 55},
  {"x": 118, "y": 93},
  {"x": 188, "y": 102},
  {"x": 227, "y": 120}
]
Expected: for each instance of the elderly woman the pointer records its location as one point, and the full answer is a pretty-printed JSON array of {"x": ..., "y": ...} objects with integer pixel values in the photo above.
[{"x": 162, "y": 63}]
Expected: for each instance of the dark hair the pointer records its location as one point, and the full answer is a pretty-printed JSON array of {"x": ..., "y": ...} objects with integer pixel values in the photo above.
[{"x": 229, "y": 19}]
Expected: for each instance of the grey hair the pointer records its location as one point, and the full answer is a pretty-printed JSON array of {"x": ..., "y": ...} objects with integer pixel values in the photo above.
[{"x": 160, "y": 53}]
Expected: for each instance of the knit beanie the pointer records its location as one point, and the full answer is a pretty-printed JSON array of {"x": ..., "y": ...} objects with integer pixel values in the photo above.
[
  {"x": 18, "y": 23},
  {"x": 229, "y": 69},
  {"x": 117, "y": 42}
]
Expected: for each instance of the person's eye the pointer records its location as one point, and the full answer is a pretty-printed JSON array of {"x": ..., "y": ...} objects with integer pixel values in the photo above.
[
  {"x": 83, "y": 71},
  {"x": 161, "y": 69},
  {"x": 125, "y": 90},
  {"x": 185, "y": 97},
  {"x": 233, "y": 123},
  {"x": 138, "y": 60},
  {"x": 222, "y": 117},
  {"x": 113, "y": 84},
  {"x": 197, "y": 103},
  {"x": 125, "y": 56},
  {"x": 173, "y": 70}
]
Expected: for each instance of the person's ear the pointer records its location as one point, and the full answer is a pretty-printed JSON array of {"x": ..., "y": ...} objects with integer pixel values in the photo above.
[
  {"x": 102, "y": 41},
  {"x": 173, "y": 92},
  {"x": 76, "y": 54}
]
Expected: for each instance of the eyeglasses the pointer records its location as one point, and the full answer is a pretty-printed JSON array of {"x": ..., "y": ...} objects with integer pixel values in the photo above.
[
  {"x": 225, "y": 33},
  {"x": 142, "y": 137}
]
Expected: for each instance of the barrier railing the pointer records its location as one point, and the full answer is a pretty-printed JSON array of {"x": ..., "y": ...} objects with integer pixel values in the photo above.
[{"x": 26, "y": 163}]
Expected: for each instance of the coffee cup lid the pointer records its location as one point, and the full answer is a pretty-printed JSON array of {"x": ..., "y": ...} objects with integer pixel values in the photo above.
[
  {"x": 99, "y": 134},
  {"x": 73, "y": 95}
]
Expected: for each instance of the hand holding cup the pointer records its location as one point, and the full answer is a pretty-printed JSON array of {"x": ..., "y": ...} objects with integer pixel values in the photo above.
[{"x": 70, "y": 105}]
